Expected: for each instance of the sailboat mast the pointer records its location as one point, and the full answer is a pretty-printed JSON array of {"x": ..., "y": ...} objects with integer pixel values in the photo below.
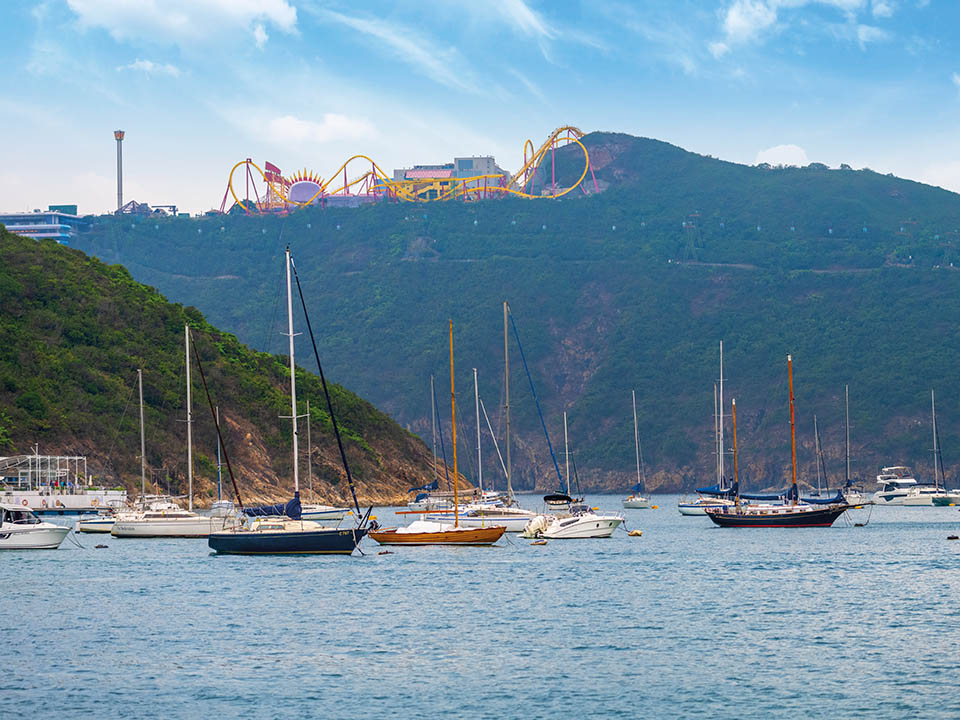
[
  {"x": 933, "y": 413},
  {"x": 433, "y": 428},
  {"x": 566, "y": 450},
  {"x": 293, "y": 382},
  {"x": 143, "y": 445},
  {"x": 793, "y": 429},
  {"x": 636, "y": 433},
  {"x": 453, "y": 417},
  {"x": 506, "y": 405},
  {"x": 736, "y": 469},
  {"x": 723, "y": 481},
  {"x": 219, "y": 465},
  {"x": 476, "y": 400},
  {"x": 716, "y": 436},
  {"x": 186, "y": 338},
  {"x": 816, "y": 440},
  {"x": 309, "y": 447},
  {"x": 846, "y": 402}
]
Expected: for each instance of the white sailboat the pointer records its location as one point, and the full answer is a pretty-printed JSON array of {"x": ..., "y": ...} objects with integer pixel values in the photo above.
[
  {"x": 163, "y": 518},
  {"x": 637, "y": 499}
]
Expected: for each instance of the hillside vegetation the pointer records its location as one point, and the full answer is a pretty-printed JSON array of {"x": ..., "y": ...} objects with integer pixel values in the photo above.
[
  {"x": 74, "y": 331},
  {"x": 850, "y": 271}
]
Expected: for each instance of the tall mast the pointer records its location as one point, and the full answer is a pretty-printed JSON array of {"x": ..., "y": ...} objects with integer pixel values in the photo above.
[
  {"x": 186, "y": 337},
  {"x": 506, "y": 405},
  {"x": 143, "y": 447},
  {"x": 566, "y": 450},
  {"x": 793, "y": 429},
  {"x": 846, "y": 402},
  {"x": 816, "y": 440},
  {"x": 453, "y": 418},
  {"x": 309, "y": 447},
  {"x": 636, "y": 434},
  {"x": 219, "y": 476},
  {"x": 476, "y": 400},
  {"x": 433, "y": 428},
  {"x": 736, "y": 473},
  {"x": 716, "y": 437},
  {"x": 293, "y": 383},
  {"x": 933, "y": 413},
  {"x": 723, "y": 481}
]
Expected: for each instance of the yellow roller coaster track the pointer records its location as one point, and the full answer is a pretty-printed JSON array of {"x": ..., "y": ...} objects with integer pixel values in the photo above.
[{"x": 435, "y": 189}]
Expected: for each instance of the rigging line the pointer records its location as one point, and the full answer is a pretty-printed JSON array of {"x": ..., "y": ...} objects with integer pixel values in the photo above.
[
  {"x": 576, "y": 476},
  {"x": 494, "y": 437},
  {"x": 516, "y": 334},
  {"x": 213, "y": 413},
  {"x": 443, "y": 447},
  {"x": 326, "y": 392},
  {"x": 116, "y": 433}
]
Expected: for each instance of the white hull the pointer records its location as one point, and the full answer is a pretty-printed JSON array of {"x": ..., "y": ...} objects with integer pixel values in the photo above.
[
  {"x": 691, "y": 509},
  {"x": 44, "y": 536},
  {"x": 583, "y": 527},
  {"x": 904, "y": 500},
  {"x": 641, "y": 503},
  {"x": 513, "y": 523},
  {"x": 324, "y": 514},
  {"x": 197, "y": 527},
  {"x": 700, "y": 505},
  {"x": 95, "y": 525}
]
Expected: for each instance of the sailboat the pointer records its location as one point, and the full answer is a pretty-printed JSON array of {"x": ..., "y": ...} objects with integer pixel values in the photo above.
[
  {"x": 637, "y": 499},
  {"x": 492, "y": 508},
  {"x": 162, "y": 517},
  {"x": 791, "y": 512},
  {"x": 719, "y": 494},
  {"x": 289, "y": 532},
  {"x": 434, "y": 532}
]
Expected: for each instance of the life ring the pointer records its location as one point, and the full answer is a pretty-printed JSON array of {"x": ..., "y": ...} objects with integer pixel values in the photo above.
[
  {"x": 44, "y": 502},
  {"x": 24, "y": 502},
  {"x": 94, "y": 502},
  {"x": 59, "y": 504}
]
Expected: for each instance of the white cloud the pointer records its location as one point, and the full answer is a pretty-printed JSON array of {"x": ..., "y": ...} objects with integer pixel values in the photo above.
[
  {"x": 260, "y": 36},
  {"x": 151, "y": 68},
  {"x": 183, "y": 22},
  {"x": 783, "y": 155},
  {"x": 446, "y": 67},
  {"x": 869, "y": 33},
  {"x": 718, "y": 49},
  {"x": 521, "y": 17},
  {"x": 956, "y": 79},
  {"x": 333, "y": 127},
  {"x": 883, "y": 8},
  {"x": 746, "y": 19}
]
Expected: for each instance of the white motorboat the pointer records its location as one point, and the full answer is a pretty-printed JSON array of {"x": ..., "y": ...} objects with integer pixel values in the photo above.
[
  {"x": 581, "y": 522},
  {"x": 20, "y": 529},
  {"x": 899, "y": 487},
  {"x": 102, "y": 522}
]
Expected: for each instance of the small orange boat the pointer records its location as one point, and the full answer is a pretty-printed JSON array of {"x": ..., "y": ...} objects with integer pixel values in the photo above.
[{"x": 443, "y": 535}]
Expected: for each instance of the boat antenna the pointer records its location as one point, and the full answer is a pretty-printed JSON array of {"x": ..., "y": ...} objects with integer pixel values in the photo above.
[
  {"x": 326, "y": 392},
  {"x": 216, "y": 420},
  {"x": 793, "y": 431},
  {"x": 453, "y": 416}
]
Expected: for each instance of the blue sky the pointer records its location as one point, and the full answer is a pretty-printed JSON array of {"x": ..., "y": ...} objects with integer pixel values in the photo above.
[{"x": 201, "y": 84}]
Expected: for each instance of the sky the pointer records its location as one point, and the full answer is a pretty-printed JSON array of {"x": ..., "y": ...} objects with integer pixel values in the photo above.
[{"x": 199, "y": 85}]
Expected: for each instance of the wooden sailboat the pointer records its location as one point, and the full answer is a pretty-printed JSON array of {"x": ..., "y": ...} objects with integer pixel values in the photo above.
[
  {"x": 637, "y": 499},
  {"x": 430, "y": 532},
  {"x": 791, "y": 513}
]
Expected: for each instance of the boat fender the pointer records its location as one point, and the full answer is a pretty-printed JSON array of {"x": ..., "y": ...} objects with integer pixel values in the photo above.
[
  {"x": 24, "y": 502},
  {"x": 539, "y": 542},
  {"x": 635, "y": 533},
  {"x": 654, "y": 507}
]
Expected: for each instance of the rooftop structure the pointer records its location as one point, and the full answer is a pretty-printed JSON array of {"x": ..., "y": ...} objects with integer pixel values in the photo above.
[{"x": 60, "y": 226}]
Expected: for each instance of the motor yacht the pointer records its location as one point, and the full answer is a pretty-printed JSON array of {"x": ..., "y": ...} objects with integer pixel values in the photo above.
[
  {"x": 898, "y": 486},
  {"x": 580, "y": 522},
  {"x": 21, "y": 529}
]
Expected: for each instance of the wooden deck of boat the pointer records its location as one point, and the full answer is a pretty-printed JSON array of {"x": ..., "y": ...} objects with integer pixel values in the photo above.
[{"x": 468, "y": 536}]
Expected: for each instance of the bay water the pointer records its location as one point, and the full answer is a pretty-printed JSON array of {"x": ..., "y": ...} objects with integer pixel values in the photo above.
[{"x": 688, "y": 620}]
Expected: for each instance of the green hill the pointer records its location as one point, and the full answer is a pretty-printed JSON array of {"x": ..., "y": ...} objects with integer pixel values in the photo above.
[
  {"x": 850, "y": 271},
  {"x": 73, "y": 333}
]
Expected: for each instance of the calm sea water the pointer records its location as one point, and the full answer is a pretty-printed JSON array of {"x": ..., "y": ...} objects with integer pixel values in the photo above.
[{"x": 687, "y": 621}]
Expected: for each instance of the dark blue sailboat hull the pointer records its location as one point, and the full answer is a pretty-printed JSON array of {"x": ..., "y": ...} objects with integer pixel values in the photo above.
[
  {"x": 813, "y": 518},
  {"x": 314, "y": 542}
]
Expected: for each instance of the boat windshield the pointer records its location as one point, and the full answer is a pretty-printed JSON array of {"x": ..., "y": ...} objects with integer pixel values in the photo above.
[{"x": 20, "y": 517}]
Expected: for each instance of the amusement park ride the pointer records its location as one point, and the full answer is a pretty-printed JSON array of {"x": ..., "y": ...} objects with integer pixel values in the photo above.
[{"x": 279, "y": 194}]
